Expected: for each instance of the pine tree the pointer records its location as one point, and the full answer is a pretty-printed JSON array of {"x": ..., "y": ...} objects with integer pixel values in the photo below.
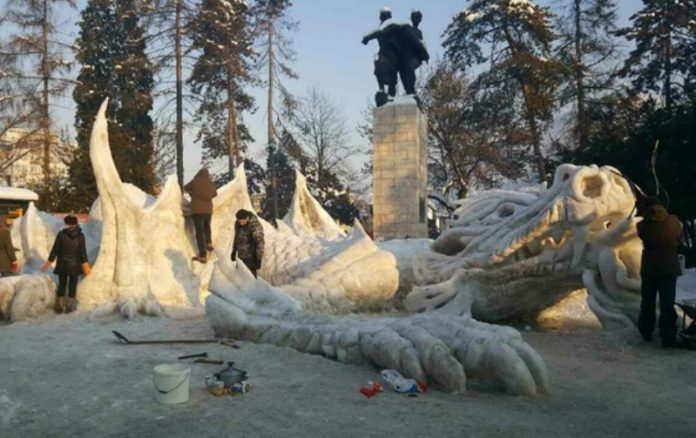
[
  {"x": 285, "y": 183},
  {"x": 222, "y": 34},
  {"x": 664, "y": 58},
  {"x": 114, "y": 65},
  {"x": 40, "y": 61},
  {"x": 271, "y": 23},
  {"x": 518, "y": 37},
  {"x": 586, "y": 46}
]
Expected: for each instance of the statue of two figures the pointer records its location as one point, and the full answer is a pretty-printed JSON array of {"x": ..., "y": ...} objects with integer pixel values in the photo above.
[{"x": 401, "y": 51}]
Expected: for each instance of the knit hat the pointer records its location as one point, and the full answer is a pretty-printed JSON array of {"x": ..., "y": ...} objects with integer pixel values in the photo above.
[{"x": 243, "y": 214}]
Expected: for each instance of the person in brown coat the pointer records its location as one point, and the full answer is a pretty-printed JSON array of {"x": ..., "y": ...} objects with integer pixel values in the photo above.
[
  {"x": 660, "y": 233},
  {"x": 8, "y": 259},
  {"x": 202, "y": 190}
]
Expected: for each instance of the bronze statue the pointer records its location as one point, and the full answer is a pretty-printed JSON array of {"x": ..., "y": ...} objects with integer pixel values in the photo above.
[{"x": 401, "y": 51}]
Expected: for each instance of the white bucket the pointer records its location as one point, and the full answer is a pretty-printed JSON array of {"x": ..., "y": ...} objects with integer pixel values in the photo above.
[{"x": 171, "y": 382}]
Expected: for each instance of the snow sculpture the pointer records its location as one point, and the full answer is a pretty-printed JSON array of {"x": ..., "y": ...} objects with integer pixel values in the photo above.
[
  {"x": 520, "y": 252},
  {"x": 306, "y": 217},
  {"x": 434, "y": 347},
  {"x": 26, "y": 296},
  {"x": 507, "y": 255}
]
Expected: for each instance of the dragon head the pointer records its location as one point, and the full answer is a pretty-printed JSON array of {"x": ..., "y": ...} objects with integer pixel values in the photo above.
[{"x": 525, "y": 250}]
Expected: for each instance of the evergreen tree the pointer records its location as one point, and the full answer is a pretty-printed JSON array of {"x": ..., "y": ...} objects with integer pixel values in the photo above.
[
  {"x": 39, "y": 61},
  {"x": 285, "y": 182},
  {"x": 517, "y": 35},
  {"x": 664, "y": 58},
  {"x": 271, "y": 23},
  {"x": 111, "y": 49},
  {"x": 586, "y": 46},
  {"x": 222, "y": 34}
]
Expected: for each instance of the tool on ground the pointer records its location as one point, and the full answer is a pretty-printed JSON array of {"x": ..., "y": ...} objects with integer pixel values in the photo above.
[
  {"x": 127, "y": 341},
  {"x": 210, "y": 361},
  {"x": 189, "y": 356},
  {"x": 230, "y": 344}
]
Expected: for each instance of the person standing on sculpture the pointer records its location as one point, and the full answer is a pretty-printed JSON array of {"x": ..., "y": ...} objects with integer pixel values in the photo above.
[
  {"x": 248, "y": 241},
  {"x": 70, "y": 251},
  {"x": 660, "y": 234},
  {"x": 202, "y": 190},
  {"x": 8, "y": 259}
]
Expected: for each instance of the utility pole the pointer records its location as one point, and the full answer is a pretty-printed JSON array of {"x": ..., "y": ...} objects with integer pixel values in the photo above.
[{"x": 179, "y": 96}]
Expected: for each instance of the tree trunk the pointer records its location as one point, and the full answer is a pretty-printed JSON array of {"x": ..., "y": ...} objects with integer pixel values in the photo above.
[
  {"x": 232, "y": 135},
  {"x": 179, "y": 96},
  {"x": 271, "y": 129},
  {"x": 45, "y": 116},
  {"x": 668, "y": 75},
  {"x": 581, "y": 127}
]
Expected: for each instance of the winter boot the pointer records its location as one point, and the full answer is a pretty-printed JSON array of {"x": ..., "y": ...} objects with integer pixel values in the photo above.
[
  {"x": 69, "y": 305},
  {"x": 60, "y": 303}
]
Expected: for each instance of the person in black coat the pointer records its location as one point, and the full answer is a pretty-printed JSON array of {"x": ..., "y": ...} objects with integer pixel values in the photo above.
[
  {"x": 660, "y": 233},
  {"x": 69, "y": 249}
]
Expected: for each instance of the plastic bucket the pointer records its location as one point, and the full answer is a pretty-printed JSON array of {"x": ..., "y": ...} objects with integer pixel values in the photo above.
[{"x": 171, "y": 383}]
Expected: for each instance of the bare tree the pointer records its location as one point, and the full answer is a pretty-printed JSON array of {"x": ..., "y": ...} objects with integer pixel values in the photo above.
[
  {"x": 165, "y": 157},
  {"x": 41, "y": 60},
  {"x": 168, "y": 24},
  {"x": 473, "y": 135},
  {"x": 324, "y": 137}
]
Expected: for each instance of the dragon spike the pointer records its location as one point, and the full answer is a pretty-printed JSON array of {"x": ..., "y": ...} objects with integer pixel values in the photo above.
[
  {"x": 307, "y": 217},
  {"x": 100, "y": 152}
]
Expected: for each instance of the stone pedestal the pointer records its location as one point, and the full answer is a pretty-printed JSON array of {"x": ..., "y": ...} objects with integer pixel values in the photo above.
[{"x": 400, "y": 174}]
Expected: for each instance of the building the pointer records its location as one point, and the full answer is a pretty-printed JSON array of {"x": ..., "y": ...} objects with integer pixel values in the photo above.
[{"x": 21, "y": 157}]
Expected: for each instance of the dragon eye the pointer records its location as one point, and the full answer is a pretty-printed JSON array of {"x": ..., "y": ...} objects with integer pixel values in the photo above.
[
  {"x": 506, "y": 210},
  {"x": 592, "y": 187}
]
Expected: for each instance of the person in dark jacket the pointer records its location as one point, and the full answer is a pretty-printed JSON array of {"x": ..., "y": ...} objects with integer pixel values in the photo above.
[
  {"x": 248, "y": 240},
  {"x": 8, "y": 259},
  {"x": 202, "y": 190},
  {"x": 69, "y": 249},
  {"x": 660, "y": 233}
]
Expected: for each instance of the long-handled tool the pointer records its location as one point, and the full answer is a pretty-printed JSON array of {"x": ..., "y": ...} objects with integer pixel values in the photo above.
[
  {"x": 127, "y": 341},
  {"x": 190, "y": 356},
  {"x": 211, "y": 361}
]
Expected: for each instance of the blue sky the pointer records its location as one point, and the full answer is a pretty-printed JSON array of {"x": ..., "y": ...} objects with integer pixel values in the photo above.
[{"x": 330, "y": 55}]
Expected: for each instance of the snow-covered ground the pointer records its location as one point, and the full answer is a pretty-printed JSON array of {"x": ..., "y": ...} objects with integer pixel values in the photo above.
[{"x": 67, "y": 376}]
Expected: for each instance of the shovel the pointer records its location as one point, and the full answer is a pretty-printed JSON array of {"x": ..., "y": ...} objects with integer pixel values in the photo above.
[{"x": 127, "y": 341}]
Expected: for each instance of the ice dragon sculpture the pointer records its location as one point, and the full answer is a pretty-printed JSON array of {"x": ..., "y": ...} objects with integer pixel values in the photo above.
[
  {"x": 509, "y": 254},
  {"x": 518, "y": 252}
]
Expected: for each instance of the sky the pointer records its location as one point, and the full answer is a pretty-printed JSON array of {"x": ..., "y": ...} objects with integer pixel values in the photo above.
[{"x": 331, "y": 57}]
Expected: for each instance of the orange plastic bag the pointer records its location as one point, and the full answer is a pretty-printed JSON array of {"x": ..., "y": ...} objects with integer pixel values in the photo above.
[{"x": 86, "y": 269}]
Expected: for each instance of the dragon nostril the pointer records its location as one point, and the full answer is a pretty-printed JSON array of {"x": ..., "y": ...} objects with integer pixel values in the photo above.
[{"x": 592, "y": 187}]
